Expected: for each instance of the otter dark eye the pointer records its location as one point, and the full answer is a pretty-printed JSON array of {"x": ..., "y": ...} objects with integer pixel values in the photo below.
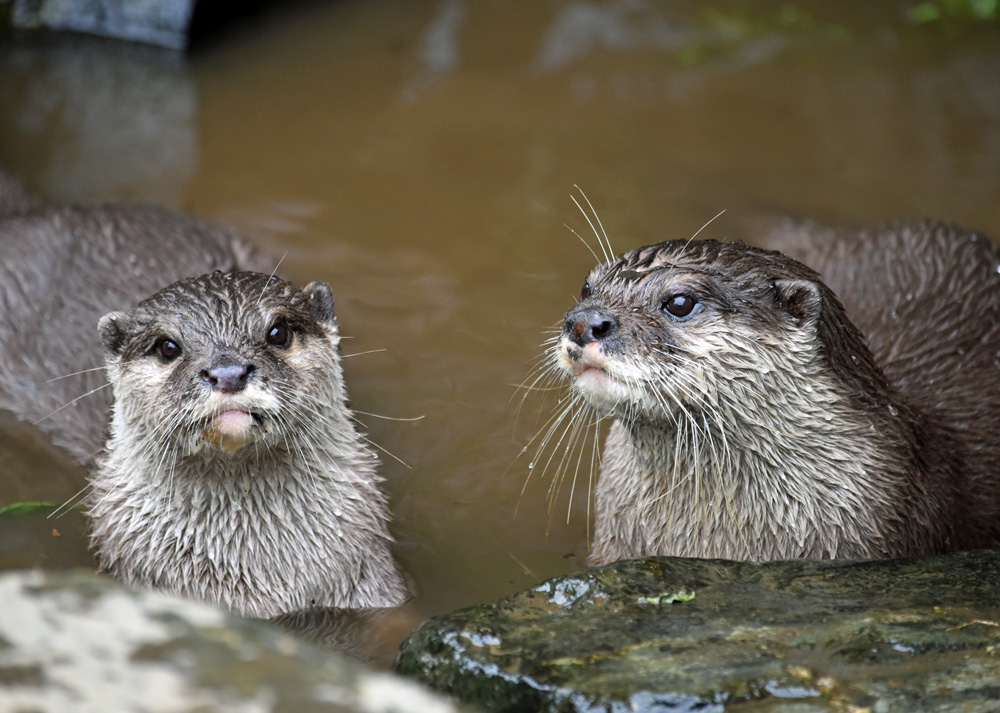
[
  {"x": 678, "y": 305},
  {"x": 585, "y": 292},
  {"x": 167, "y": 348},
  {"x": 279, "y": 335}
]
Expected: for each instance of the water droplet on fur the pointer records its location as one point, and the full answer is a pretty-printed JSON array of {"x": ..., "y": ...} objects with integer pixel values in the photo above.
[
  {"x": 854, "y": 358},
  {"x": 895, "y": 314},
  {"x": 531, "y": 466},
  {"x": 960, "y": 350},
  {"x": 893, "y": 410},
  {"x": 338, "y": 513}
]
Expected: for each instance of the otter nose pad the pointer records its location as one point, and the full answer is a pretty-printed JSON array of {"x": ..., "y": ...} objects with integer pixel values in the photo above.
[
  {"x": 588, "y": 325},
  {"x": 228, "y": 377}
]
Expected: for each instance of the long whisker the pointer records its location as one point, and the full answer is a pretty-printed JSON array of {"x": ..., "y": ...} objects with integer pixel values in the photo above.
[
  {"x": 604, "y": 249},
  {"x": 70, "y": 503},
  {"x": 389, "y": 418},
  {"x": 70, "y": 403},
  {"x": 75, "y": 373},
  {"x": 607, "y": 241},
  {"x": 268, "y": 280},
  {"x": 370, "y": 351},
  {"x": 567, "y": 225},
  {"x": 717, "y": 215}
]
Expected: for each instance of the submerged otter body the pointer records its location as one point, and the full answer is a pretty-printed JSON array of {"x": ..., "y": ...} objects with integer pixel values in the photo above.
[
  {"x": 754, "y": 420},
  {"x": 233, "y": 472},
  {"x": 61, "y": 269}
]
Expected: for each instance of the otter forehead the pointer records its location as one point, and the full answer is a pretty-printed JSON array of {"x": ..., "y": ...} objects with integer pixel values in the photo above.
[
  {"x": 227, "y": 304},
  {"x": 706, "y": 262},
  {"x": 225, "y": 296}
]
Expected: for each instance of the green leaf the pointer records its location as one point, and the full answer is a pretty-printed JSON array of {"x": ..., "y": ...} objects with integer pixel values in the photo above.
[{"x": 25, "y": 508}]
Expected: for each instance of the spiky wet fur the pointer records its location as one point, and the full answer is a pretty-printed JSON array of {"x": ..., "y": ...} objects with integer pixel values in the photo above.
[
  {"x": 293, "y": 520},
  {"x": 759, "y": 427}
]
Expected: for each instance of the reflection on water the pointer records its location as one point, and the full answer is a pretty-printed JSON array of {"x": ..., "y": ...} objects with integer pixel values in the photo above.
[
  {"x": 420, "y": 157},
  {"x": 99, "y": 118}
]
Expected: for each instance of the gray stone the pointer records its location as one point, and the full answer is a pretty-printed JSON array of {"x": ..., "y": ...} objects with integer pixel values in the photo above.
[
  {"x": 78, "y": 642},
  {"x": 156, "y": 22},
  {"x": 671, "y": 634}
]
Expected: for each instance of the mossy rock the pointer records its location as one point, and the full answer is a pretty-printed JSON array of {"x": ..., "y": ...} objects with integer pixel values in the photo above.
[{"x": 671, "y": 634}]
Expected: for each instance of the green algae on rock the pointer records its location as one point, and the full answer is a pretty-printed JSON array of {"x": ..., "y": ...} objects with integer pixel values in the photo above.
[{"x": 908, "y": 634}]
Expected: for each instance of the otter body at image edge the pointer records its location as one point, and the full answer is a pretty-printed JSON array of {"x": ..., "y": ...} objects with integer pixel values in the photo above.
[{"x": 753, "y": 419}]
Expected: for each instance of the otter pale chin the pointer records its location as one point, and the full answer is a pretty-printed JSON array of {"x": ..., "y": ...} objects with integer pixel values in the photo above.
[
  {"x": 752, "y": 421},
  {"x": 233, "y": 472}
]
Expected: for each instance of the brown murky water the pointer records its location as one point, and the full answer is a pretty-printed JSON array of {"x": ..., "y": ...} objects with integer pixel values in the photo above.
[{"x": 420, "y": 156}]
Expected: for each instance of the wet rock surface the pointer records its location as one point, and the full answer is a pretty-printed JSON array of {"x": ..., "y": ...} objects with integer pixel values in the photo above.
[
  {"x": 671, "y": 634},
  {"x": 74, "y": 641}
]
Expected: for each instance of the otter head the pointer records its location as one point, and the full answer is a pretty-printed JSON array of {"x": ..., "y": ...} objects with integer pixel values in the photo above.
[
  {"x": 680, "y": 325},
  {"x": 222, "y": 361}
]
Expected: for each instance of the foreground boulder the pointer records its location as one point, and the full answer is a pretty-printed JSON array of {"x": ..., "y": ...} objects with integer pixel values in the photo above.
[
  {"x": 83, "y": 643},
  {"x": 671, "y": 634}
]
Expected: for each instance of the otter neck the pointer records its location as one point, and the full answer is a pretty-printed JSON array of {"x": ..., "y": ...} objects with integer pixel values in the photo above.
[
  {"x": 242, "y": 529},
  {"x": 722, "y": 474}
]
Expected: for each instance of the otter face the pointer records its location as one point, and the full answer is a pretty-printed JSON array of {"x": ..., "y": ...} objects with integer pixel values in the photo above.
[
  {"x": 657, "y": 328},
  {"x": 224, "y": 361}
]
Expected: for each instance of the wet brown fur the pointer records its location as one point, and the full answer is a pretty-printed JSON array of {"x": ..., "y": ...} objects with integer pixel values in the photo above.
[{"x": 767, "y": 425}]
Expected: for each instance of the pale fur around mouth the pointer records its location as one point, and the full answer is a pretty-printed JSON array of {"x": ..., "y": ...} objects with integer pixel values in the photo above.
[
  {"x": 592, "y": 374},
  {"x": 232, "y": 429},
  {"x": 230, "y": 422}
]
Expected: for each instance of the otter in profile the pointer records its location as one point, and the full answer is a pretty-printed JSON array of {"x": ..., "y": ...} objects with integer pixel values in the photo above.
[
  {"x": 232, "y": 471},
  {"x": 754, "y": 420}
]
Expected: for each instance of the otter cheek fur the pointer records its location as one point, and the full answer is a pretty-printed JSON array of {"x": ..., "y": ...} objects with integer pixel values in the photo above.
[
  {"x": 233, "y": 472},
  {"x": 750, "y": 420}
]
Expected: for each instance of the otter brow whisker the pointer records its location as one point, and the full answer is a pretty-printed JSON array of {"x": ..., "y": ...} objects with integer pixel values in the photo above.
[
  {"x": 268, "y": 280},
  {"x": 609, "y": 252}
]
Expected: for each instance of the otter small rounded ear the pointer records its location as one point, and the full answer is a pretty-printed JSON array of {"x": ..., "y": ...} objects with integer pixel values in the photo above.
[
  {"x": 802, "y": 299},
  {"x": 114, "y": 328},
  {"x": 320, "y": 300}
]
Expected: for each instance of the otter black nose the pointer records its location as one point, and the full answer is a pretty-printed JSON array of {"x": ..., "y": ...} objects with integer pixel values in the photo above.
[
  {"x": 228, "y": 377},
  {"x": 588, "y": 325}
]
